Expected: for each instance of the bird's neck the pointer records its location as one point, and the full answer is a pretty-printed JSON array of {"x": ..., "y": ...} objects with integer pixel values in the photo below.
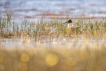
[{"x": 70, "y": 25}]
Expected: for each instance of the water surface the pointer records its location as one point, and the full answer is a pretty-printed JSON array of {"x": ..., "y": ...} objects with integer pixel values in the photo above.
[{"x": 54, "y": 8}]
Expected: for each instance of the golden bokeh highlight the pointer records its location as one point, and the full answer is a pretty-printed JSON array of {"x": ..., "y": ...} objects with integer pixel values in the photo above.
[
  {"x": 23, "y": 66},
  {"x": 25, "y": 57},
  {"x": 51, "y": 60}
]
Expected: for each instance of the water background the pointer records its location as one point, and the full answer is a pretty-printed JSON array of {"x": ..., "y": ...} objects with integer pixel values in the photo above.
[{"x": 53, "y": 8}]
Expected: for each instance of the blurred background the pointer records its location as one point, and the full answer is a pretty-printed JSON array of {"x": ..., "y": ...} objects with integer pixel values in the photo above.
[{"x": 53, "y": 8}]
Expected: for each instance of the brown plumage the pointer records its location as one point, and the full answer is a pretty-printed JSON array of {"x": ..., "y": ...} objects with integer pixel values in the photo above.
[{"x": 71, "y": 25}]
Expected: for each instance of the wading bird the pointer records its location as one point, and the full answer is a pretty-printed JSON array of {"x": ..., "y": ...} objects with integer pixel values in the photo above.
[{"x": 71, "y": 27}]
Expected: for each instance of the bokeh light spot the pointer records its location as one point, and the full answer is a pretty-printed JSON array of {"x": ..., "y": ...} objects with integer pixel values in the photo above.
[
  {"x": 24, "y": 58},
  {"x": 51, "y": 59}
]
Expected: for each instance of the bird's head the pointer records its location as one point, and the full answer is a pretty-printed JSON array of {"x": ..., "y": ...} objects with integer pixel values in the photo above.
[{"x": 69, "y": 21}]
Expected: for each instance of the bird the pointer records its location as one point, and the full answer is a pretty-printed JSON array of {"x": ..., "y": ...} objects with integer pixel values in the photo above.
[{"x": 71, "y": 25}]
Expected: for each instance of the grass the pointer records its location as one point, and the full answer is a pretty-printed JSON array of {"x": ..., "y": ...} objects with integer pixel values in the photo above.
[
  {"x": 86, "y": 56},
  {"x": 37, "y": 29},
  {"x": 53, "y": 59}
]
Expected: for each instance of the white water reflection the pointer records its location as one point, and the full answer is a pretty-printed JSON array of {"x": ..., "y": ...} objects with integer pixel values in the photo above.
[{"x": 72, "y": 43}]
